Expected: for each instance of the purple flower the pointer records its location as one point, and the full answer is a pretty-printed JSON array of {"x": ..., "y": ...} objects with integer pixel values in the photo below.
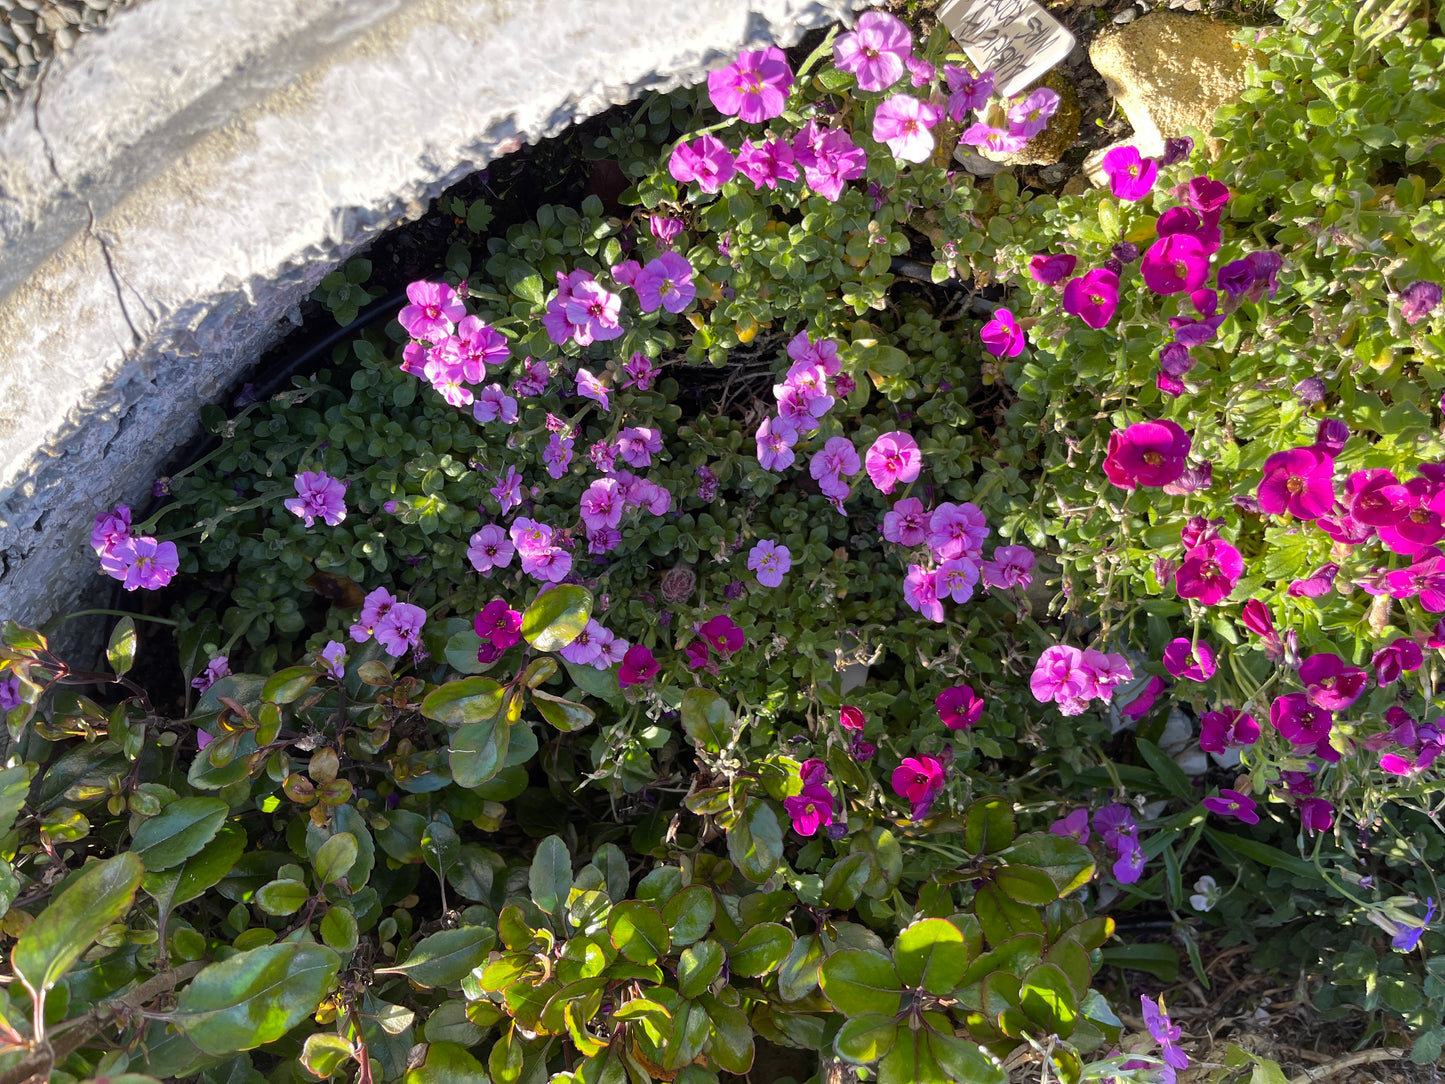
[
  {"x": 955, "y": 579},
  {"x": 1146, "y": 454},
  {"x": 766, "y": 164},
  {"x": 494, "y": 405},
  {"x": 1418, "y": 300},
  {"x": 1236, "y": 277},
  {"x": 637, "y": 444},
  {"x": 434, "y": 309},
  {"x": 966, "y": 91},
  {"x": 770, "y": 561},
  {"x": 1157, "y": 1021},
  {"x": 775, "y": 440},
  {"x": 1184, "y": 659},
  {"x": 318, "y": 496},
  {"x": 1228, "y": 728},
  {"x": 1012, "y": 566},
  {"x": 1073, "y": 826},
  {"x": 666, "y": 282},
  {"x": 705, "y": 160},
  {"x": 638, "y": 667},
  {"x": 1318, "y": 584},
  {"x": 1030, "y": 116},
  {"x": 920, "y": 592},
  {"x": 640, "y": 373},
  {"x": 1051, "y": 268},
  {"x": 141, "y": 562},
  {"x": 811, "y": 809},
  {"x": 876, "y": 50},
  {"x": 1298, "y": 721},
  {"x": 829, "y": 159},
  {"x": 533, "y": 380},
  {"x": 1330, "y": 683},
  {"x": 1265, "y": 265},
  {"x": 1331, "y": 436},
  {"x": 1177, "y": 150},
  {"x": 331, "y": 659},
  {"x": 1231, "y": 803},
  {"x": 10, "y": 698},
  {"x": 400, "y": 628},
  {"x": 110, "y": 528},
  {"x": 1300, "y": 482},
  {"x": 508, "y": 490},
  {"x": 664, "y": 229},
  {"x": 1092, "y": 297},
  {"x": 1177, "y": 263},
  {"x": 1399, "y": 656},
  {"x": 905, "y": 125},
  {"x": 754, "y": 87},
  {"x": 1316, "y": 814},
  {"x": 1311, "y": 390},
  {"x": 906, "y": 523},
  {"x": 958, "y": 707},
  {"x": 1409, "y": 936},
  {"x": 215, "y": 670},
  {"x": 1002, "y": 336},
  {"x": 893, "y": 458},
  {"x": 956, "y": 530},
  {"x": 1130, "y": 176}
]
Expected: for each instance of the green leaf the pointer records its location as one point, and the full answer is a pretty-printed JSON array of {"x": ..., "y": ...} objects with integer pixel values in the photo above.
[
  {"x": 689, "y": 914},
  {"x": 867, "y": 1038},
  {"x": 1067, "y": 862},
  {"x": 557, "y": 617},
  {"x": 1026, "y": 885},
  {"x": 1002, "y": 918},
  {"x": 1159, "y": 960},
  {"x": 339, "y": 929},
  {"x": 1225, "y": 843},
  {"x": 690, "y": 1029},
  {"x": 254, "y": 997},
  {"x": 121, "y": 649},
  {"x": 467, "y": 701},
  {"x": 760, "y": 950},
  {"x": 479, "y": 217},
  {"x": 1171, "y": 776},
  {"x": 698, "y": 966},
  {"x": 179, "y": 831},
  {"x": 931, "y": 954},
  {"x": 566, "y": 715},
  {"x": 859, "y": 982},
  {"x": 638, "y": 932},
  {"x": 443, "y": 958},
  {"x": 284, "y": 896},
  {"x": 335, "y": 857},
  {"x": 990, "y": 825},
  {"x": 845, "y": 880},
  {"x": 286, "y": 686},
  {"x": 550, "y": 877},
  {"x": 97, "y": 896},
  {"x": 732, "y": 1037},
  {"x": 525, "y": 282},
  {"x": 479, "y": 751},
  {"x": 798, "y": 973},
  {"x": 441, "y": 847},
  {"x": 755, "y": 841},
  {"x": 446, "y": 1063},
  {"x": 707, "y": 719},
  {"x": 962, "y": 1060},
  {"x": 1048, "y": 999},
  {"x": 323, "y": 1054},
  {"x": 14, "y": 789}
]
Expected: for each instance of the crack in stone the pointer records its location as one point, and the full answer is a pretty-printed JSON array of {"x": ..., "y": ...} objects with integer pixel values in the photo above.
[{"x": 89, "y": 210}]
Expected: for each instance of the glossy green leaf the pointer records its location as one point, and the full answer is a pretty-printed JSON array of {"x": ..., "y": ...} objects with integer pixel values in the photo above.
[
  {"x": 466, "y": 701},
  {"x": 798, "y": 973},
  {"x": 121, "y": 649},
  {"x": 550, "y": 877},
  {"x": 859, "y": 982},
  {"x": 97, "y": 896},
  {"x": 1159, "y": 960},
  {"x": 566, "y": 715},
  {"x": 557, "y": 617},
  {"x": 254, "y": 997},
  {"x": 461, "y": 652},
  {"x": 761, "y": 950},
  {"x": 1171, "y": 777},
  {"x": 335, "y": 857},
  {"x": 931, "y": 954},
  {"x": 286, "y": 686},
  {"x": 324, "y": 1053},
  {"x": 989, "y": 826},
  {"x": 441, "y": 847},
  {"x": 865, "y": 1039},
  {"x": 1003, "y": 918},
  {"x": 1024, "y": 884},
  {"x": 14, "y": 789},
  {"x": 1014, "y": 956},
  {"x": 707, "y": 719},
  {"x": 690, "y": 1030},
  {"x": 1048, "y": 999},
  {"x": 538, "y": 671},
  {"x": 443, "y": 958},
  {"x": 963, "y": 1060},
  {"x": 179, "y": 831},
  {"x": 284, "y": 896},
  {"x": 479, "y": 751},
  {"x": 689, "y": 914},
  {"x": 755, "y": 841},
  {"x": 845, "y": 880},
  {"x": 1067, "y": 862},
  {"x": 339, "y": 929},
  {"x": 446, "y": 1063},
  {"x": 698, "y": 966},
  {"x": 638, "y": 932},
  {"x": 731, "y": 1048}
]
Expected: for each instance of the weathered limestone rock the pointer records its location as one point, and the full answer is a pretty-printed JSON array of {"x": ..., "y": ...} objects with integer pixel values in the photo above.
[{"x": 1169, "y": 72}]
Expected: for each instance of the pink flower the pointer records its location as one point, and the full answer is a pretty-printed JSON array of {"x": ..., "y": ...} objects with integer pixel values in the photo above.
[
  {"x": 1299, "y": 482},
  {"x": 1231, "y": 803},
  {"x": 508, "y": 490},
  {"x": 851, "y": 718},
  {"x": 994, "y": 140},
  {"x": 1209, "y": 572},
  {"x": 1059, "y": 675},
  {"x": 479, "y": 345},
  {"x": 775, "y": 438},
  {"x": 215, "y": 670},
  {"x": 754, "y": 87},
  {"x": 893, "y": 458},
  {"x": 1207, "y": 196},
  {"x": 1105, "y": 673},
  {"x": 956, "y": 530},
  {"x": 1012, "y": 566},
  {"x": 917, "y": 778},
  {"x": 958, "y": 707},
  {"x": 110, "y": 528},
  {"x": 601, "y": 504},
  {"x": 638, "y": 667},
  {"x": 141, "y": 562},
  {"x": 1147, "y": 454},
  {"x": 1184, "y": 659},
  {"x": 1316, "y": 814},
  {"x": 705, "y": 160},
  {"x": 593, "y": 313},
  {"x": 1376, "y": 497},
  {"x": 666, "y": 282},
  {"x": 920, "y": 592},
  {"x": 1298, "y": 721},
  {"x": 722, "y": 634},
  {"x": 1092, "y": 297},
  {"x": 966, "y": 91},
  {"x": 434, "y": 308},
  {"x": 1330, "y": 683},
  {"x": 1228, "y": 728},
  {"x": 1030, "y": 116},
  {"x": 876, "y": 50},
  {"x": 1138, "y": 707},
  {"x": 637, "y": 445},
  {"x": 1177, "y": 263},
  {"x": 810, "y": 810},
  {"x": 557, "y": 456},
  {"x": 640, "y": 373},
  {"x": 829, "y": 161},
  {"x": 498, "y": 624},
  {"x": 400, "y": 628},
  {"x": 318, "y": 496},
  {"x": 1002, "y": 337},
  {"x": 1130, "y": 176},
  {"x": 767, "y": 163},
  {"x": 920, "y": 71},
  {"x": 906, "y": 523},
  {"x": 1420, "y": 527},
  {"x": 1052, "y": 268},
  {"x": 904, "y": 124},
  {"x": 664, "y": 229},
  {"x": 489, "y": 549},
  {"x": 494, "y": 405},
  {"x": 770, "y": 561},
  {"x": 584, "y": 650},
  {"x": 1400, "y": 656},
  {"x": 374, "y": 607}
]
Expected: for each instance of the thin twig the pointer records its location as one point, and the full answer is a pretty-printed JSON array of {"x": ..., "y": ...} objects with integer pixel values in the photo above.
[{"x": 1349, "y": 1061}]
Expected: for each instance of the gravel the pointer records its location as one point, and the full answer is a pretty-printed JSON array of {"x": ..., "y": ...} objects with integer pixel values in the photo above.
[{"x": 32, "y": 32}]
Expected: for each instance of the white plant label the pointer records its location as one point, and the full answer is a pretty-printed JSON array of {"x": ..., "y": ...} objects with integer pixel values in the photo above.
[{"x": 1016, "y": 39}]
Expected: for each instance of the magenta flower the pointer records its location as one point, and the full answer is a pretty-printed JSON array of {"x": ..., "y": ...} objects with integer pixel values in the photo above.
[
  {"x": 640, "y": 372},
  {"x": 1331, "y": 683},
  {"x": 1376, "y": 497},
  {"x": 1231, "y": 803},
  {"x": 1139, "y": 706},
  {"x": 1059, "y": 675},
  {"x": 765, "y": 164},
  {"x": 829, "y": 159},
  {"x": 110, "y": 528},
  {"x": 1184, "y": 659},
  {"x": 1050, "y": 269},
  {"x": 490, "y": 548},
  {"x": 994, "y": 140},
  {"x": 905, "y": 125},
  {"x": 400, "y": 629},
  {"x": 637, "y": 445},
  {"x": 141, "y": 562},
  {"x": 374, "y": 607},
  {"x": 1207, "y": 196},
  {"x": 966, "y": 91},
  {"x": 851, "y": 718},
  {"x": 1298, "y": 721},
  {"x": 810, "y": 810},
  {"x": 1115, "y": 826},
  {"x": 1073, "y": 826},
  {"x": 1418, "y": 300},
  {"x": 1317, "y": 584},
  {"x": 1157, "y": 1021},
  {"x": 1012, "y": 566},
  {"x": 837, "y": 459},
  {"x": 1316, "y": 814},
  {"x": 893, "y": 458},
  {"x": 920, "y": 592},
  {"x": 906, "y": 523},
  {"x": 665, "y": 230},
  {"x": 956, "y": 530},
  {"x": 318, "y": 496},
  {"x": 958, "y": 707},
  {"x": 705, "y": 160},
  {"x": 1130, "y": 176},
  {"x": 876, "y": 50},
  {"x": 215, "y": 670},
  {"x": 1002, "y": 337},
  {"x": 722, "y": 634},
  {"x": 754, "y": 87},
  {"x": 1209, "y": 572},
  {"x": 1227, "y": 728},
  {"x": 1146, "y": 454},
  {"x": 638, "y": 667},
  {"x": 920, "y": 71},
  {"x": 770, "y": 561},
  {"x": 498, "y": 624},
  {"x": 1300, "y": 482},
  {"x": 1092, "y": 297},
  {"x": 666, "y": 282},
  {"x": 1177, "y": 263},
  {"x": 917, "y": 778},
  {"x": 1417, "y": 531},
  {"x": 1400, "y": 656},
  {"x": 1030, "y": 116},
  {"x": 434, "y": 309}
]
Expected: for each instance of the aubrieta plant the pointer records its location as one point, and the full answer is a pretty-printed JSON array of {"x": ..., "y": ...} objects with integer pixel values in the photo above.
[{"x": 527, "y": 638}]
